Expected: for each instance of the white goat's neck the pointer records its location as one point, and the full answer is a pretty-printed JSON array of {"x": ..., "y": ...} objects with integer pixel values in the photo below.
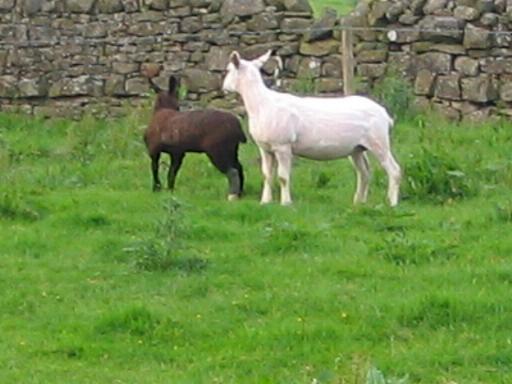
[{"x": 254, "y": 93}]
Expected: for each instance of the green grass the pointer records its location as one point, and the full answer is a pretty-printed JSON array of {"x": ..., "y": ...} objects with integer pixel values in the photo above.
[
  {"x": 104, "y": 281},
  {"x": 342, "y": 6}
]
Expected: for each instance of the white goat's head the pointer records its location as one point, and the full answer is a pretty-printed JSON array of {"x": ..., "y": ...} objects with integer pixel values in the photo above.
[{"x": 238, "y": 69}]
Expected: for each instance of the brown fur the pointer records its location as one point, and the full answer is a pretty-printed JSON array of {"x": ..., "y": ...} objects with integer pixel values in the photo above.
[{"x": 211, "y": 131}]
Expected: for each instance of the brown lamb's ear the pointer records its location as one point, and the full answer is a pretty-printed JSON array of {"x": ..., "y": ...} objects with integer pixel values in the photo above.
[
  {"x": 235, "y": 59},
  {"x": 173, "y": 85},
  {"x": 153, "y": 86}
]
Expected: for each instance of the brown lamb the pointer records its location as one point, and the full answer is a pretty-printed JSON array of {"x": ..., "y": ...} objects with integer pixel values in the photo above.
[{"x": 214, "y": 132}]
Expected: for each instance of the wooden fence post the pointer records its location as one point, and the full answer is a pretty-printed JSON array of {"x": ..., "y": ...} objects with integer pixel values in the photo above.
[{"x": 347, "y": 62}]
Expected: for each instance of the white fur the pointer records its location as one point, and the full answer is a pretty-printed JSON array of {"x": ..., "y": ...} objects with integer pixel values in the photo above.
[{"x": 284, "y": 125}]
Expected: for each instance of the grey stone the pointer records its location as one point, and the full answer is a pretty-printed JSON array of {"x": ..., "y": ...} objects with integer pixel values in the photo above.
[
  {"x": 292, "y": 24},
  {"x": 191, "y": 25},
  {"x": 79, "y": 6},
  {"x": 114, "y": 85},
  {"x": 416, "y": 6},
  {"x": 448, "y": 87},
  {"x": 309, "y": 67},
  {"x": 424, "y": 83},
  {"x": 395, "y": 11},
  {"x": 479, "y": 89},
  {"x": 78, "y": 86},
  {"x": 466, "y": 13},
  {"x": 490, "y": 19},
  {"x": 476, "y": 38},
  {"x": 130, "y": 5},
  {"x": 378, "y": 11},
  {"x": 435, "y": 62},
  {"x": 465, "y": 107},
  {"x": 466, "y": 66},
  {"x": 432, "y": 6},
  {"x": 372, "y": 56},
  {"x": 478, "y": 116},
  {"x": 6, "y": 5},
  {"x": 253, "y": 51},
  {"x": 298, "y": 6},
  {"x": 442, "y": 29},
  {"x": 182, "y": 12},
  {"x": 31, "y": 7},
  {"x": 32, "y": 88},
  {"x": 95, "y": 29},
  {"x": 319, "y": 48},
  {"x": 218, "y": 57},
  {"x": 263, "y": 21},
  {"x": 402, "y": 62},
  {"x": 290, "y": 48},
  {"x": 496, "y": 65},
  {"x": 371, "y": 70},
  {"x": 158, "y": 5},
  {"x": 110, "y": 6},
  {"x": 446, "y": 110},
  {"x": 408, "y": 18},
  {"x": 8, "y": 88},
  {"x": 486, "y": 6},
  {"x": 506, "y": 91},
  {"x": 137, "y": 86},
  {"x": 198, "y": 80},
  {"x": 125, "y": 68},
  {"x": 242, "y": 7},
  {"x": 332, "y": 70},
  {"x": 452, "y": 49},
  {"x": 328, "y": 85}
]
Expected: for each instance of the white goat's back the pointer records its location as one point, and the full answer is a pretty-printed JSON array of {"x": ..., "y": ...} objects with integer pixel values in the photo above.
[{"x": 323, "y": 128}]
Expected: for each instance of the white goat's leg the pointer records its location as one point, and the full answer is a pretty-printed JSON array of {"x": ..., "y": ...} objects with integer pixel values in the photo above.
[
  {"x": 362, "y": 167},
  {"x": 394, "y": 175},
  {"x": 267, "y": 165},
  {"x": 392, "y": 168},
  {"x": 381, "y": 150},
  {"x": 284, "y": 168}
]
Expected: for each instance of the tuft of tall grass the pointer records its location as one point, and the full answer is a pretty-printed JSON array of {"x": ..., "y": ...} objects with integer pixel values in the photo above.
[
  {"x": 403, "y": 250},
  {"x": 164, "y": 249},
  {"x": 437, "y": 177},
  {"x": 396, "y": 93}
]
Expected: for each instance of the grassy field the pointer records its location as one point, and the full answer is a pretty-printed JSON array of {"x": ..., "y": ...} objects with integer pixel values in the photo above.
[
  {"x": 104, "y": 281},
  {"x": 342, "y": 6}
]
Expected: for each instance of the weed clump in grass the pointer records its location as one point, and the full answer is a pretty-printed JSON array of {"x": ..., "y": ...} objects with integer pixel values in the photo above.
[
  {"x": 136, "y": 321},
  {"x": 503, "y": 212},
  {"x": 401, "y": 250},
  {"x": 163, "y": 250},
  {"x": 12, "y": 207},
  {"x": 437, "y": 177},
  {"x": 284, "y": 238}
]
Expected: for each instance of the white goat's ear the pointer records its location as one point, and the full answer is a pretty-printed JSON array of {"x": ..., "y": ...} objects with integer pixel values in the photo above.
[
  {"x": 235, "y": 59},
  {"x": 260, "y": 61}
]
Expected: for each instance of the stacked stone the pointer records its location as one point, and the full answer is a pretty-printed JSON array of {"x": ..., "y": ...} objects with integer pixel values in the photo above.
[
  {"x": 63, "y": 57},
  {"x": 452, "y": 50}
]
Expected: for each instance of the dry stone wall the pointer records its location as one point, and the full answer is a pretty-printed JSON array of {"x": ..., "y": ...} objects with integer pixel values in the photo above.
[
  {"x": 64, "y": 57},
  {"x": 457, "y": 53}
]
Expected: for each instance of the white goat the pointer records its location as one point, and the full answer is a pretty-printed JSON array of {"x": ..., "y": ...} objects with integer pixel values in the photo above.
[{"x": 284, "y": 125}]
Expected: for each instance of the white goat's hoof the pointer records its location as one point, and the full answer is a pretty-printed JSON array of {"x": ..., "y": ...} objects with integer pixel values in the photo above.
[{"x": 233, "y": 197}]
